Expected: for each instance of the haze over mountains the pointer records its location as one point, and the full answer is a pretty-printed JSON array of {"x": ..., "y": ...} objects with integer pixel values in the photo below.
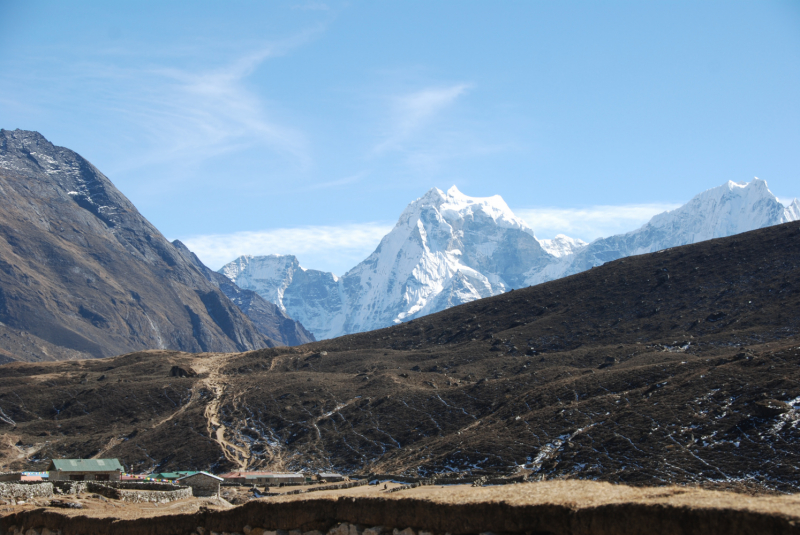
[
  {"x": 83, "y": 274},
  {"x": 448, "y": 249}
]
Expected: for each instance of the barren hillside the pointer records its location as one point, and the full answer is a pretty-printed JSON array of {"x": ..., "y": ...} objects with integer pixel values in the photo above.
[{"x": 673, "y": 367}]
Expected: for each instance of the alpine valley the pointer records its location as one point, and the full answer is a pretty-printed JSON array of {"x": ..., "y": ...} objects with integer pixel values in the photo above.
[
  {"x": 448, "y": 249},
  {"x": 674, "y": 366}
]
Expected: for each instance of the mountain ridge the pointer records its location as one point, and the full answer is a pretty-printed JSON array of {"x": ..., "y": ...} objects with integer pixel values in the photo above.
[
  {"x": 268, "y": 318},
  {"x": 83, "y": 273},
  {"x": 448, "y": 248},
  {"x": 440, "y": 252}
]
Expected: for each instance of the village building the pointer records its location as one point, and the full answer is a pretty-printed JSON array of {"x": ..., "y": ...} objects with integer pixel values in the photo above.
[
  {"x": 330, "y": 477},
  {"x": 203, "y": 484},
  {"x": 265, "y": 478},
  {"x": 171, "y": 476},
  {"x": 30, "y": 477},
  {"x": 10, "y": 476},
  {"x": 133, "y": 477},
  {"x": 84, "y": 470}
]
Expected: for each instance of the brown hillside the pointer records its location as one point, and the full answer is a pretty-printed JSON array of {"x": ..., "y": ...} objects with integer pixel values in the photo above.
[
  {"x": 83, "y": 274},
  {"x": 674, "y": 367}
]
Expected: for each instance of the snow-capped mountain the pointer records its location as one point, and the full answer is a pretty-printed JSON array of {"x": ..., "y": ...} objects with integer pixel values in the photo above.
[
  {"x": 315, "y": 296},
  {"x": 718, "y": 212},
  {"x": 562, "y": 245},
  {"x": 447, "y": 249}
]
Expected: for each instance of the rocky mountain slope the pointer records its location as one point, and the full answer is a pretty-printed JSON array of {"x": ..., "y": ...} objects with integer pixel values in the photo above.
[
  {"x": 679, "y": 366},
  {"x": 313, "y": 298},
  {"x": 448, "y": 249},
  {"x": 268, "y": 318},
  {"x": 84, "y": 274}
]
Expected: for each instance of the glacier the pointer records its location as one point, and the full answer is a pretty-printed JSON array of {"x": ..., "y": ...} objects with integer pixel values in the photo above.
[{"x": 448, "y": 248}]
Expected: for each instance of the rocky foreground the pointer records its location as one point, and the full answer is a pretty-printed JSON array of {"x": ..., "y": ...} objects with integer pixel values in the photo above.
[{"x": 553, "y": 508}]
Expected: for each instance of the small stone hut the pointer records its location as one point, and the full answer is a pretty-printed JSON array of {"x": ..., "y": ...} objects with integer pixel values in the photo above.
[
  {"x": 202, "y": 483},
  {"x": 330, "y": 477},
  {"x": 84, "y": 470}
]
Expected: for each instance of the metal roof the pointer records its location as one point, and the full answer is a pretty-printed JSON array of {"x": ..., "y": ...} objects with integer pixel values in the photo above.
[
  {"x": 198, "y": 473},
  {"x": 173, "y": 475},
  {"x": 86, "y": 465}
]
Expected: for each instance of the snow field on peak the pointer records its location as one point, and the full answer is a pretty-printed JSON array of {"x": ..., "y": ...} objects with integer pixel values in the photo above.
[
  {"x": 447, "y": 249},
  {"x": 562, "y": 245}
]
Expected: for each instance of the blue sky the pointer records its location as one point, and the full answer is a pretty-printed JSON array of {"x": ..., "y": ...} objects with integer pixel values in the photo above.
[{"x": 306, "y": 127}]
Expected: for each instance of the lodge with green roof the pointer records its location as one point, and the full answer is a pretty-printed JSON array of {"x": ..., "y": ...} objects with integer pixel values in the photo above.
[{"x": 84, "y": 470}]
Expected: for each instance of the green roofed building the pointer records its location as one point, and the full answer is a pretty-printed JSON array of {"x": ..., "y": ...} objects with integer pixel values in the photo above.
[{"x": 84, "y": 470}]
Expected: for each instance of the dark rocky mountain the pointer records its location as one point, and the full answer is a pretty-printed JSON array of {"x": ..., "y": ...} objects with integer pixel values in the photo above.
[
  {"x": 83, "y": 274},
  {"x": 681, "y": 366},
  {"x": 268, "y": 318}
]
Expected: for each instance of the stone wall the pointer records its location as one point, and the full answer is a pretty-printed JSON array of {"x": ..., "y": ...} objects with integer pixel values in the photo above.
[
  {"x": 70, "y": 487},
  {"x": 202, "y": 485},
  {"x": 138, "y": 494},
  {"x": 141, "y": 485},
  {"x": 26, "y": 491},
  {"x": 335, "y": 486},
  {"x": 368, "y": 516}
]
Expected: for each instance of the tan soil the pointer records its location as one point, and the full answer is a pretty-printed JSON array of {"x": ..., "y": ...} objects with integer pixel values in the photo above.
[{"x": 568, "y": 507}]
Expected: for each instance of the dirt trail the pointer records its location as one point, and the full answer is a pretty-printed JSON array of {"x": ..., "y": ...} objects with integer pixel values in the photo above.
[
  {"x": 236, "y": 454},
  {"x": 210, "y": 364}
]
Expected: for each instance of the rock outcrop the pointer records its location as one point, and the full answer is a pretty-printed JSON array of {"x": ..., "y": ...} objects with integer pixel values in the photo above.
[{"x": 268, "y": 317}]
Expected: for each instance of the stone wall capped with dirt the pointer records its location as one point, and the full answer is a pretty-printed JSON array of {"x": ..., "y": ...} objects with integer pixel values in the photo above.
[
  {"x": 163, "y": 494},
  {"x": 26, "y": 491},
  {"x": 553, "y": 508}
]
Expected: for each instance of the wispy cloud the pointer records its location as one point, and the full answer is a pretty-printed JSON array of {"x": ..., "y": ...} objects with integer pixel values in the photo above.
[
  {"x": 190, "y": 115},
  {"x": 592, "y": 222},
  {"x": 413, "y": 111},
  {"x": 329, "y": 248},
  {"x": 352, "y": 179}
]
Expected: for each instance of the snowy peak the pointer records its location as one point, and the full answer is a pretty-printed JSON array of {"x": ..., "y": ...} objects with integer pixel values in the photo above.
[
  {"x": 792, "y": 212},
  {"x": 562, "y": 245},
  {"x": 448, "y": 249},
  {"x": 455, "y": 207},
  {"x": 314, "y": 296},
  {"x": 268, "y": 276},
  {"x": 728, "y": 209}
]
